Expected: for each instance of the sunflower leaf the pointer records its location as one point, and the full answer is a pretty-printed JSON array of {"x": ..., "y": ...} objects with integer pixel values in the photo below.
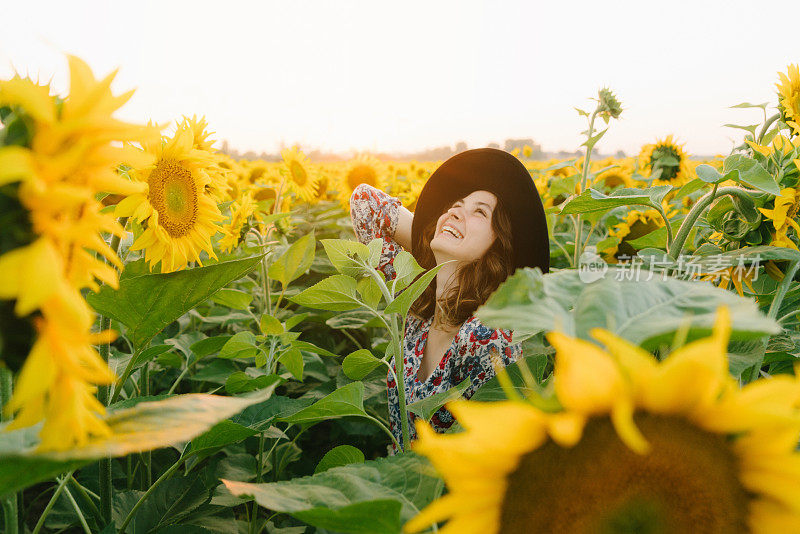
[
  {"x": 149, "y": 302},
  {"x": 143, "y": 427},
  {"x": 751, "y": 173},
  {"x": 374, "y": 497}
]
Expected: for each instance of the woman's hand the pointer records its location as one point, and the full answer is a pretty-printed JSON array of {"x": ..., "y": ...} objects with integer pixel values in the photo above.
[{"x": 402, "y": 235}]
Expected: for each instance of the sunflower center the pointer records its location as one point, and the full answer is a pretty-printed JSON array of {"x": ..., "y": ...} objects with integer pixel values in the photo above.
[
  {"x": 638, "y": 229},
  {"x": 174, "y": 196},
  {"x": 299, "y": 175},
  {"x": 687, "y": 483},
  {"x": 613, "y": 180},
  {"x": 793, "y": 209},
  {"x": 362, "y": 174},
  {"x": 667, "y": 159}
]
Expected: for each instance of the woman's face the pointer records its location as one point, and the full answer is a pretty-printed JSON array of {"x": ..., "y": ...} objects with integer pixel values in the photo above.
[{"x": 464, "y": 232}]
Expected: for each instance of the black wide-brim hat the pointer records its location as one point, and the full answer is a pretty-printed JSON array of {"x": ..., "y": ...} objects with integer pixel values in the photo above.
[{"x": 500, "y": 173}]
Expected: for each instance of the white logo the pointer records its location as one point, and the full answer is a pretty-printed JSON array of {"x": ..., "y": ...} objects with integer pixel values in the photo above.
[{"x": 591, "y": 266}]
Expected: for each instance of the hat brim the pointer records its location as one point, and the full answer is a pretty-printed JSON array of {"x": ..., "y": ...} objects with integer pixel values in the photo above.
[{"x": 502, "y": 174}]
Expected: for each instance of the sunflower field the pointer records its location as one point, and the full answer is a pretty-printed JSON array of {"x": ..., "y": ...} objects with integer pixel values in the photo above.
[{"x": 191, "y": 343}]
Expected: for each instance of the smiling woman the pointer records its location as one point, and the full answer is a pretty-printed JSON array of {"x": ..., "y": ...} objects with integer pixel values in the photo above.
[{"x": 481, "y": 213}]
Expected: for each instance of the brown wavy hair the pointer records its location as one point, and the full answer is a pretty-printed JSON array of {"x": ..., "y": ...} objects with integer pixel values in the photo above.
[{"x": 476, "y": 280}]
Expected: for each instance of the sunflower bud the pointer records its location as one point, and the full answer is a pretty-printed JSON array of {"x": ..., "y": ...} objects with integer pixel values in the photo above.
[{"x": 609, "y": 105}]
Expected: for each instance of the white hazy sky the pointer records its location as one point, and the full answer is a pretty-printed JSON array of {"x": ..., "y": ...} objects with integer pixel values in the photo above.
[{"x": 400, "y": 76}]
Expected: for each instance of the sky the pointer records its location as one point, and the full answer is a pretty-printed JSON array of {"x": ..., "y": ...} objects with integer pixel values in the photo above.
[{"x": 398, "y": 77}]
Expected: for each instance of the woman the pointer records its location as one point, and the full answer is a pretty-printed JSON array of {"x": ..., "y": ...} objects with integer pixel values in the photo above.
[{"x": 481, "y": 209}]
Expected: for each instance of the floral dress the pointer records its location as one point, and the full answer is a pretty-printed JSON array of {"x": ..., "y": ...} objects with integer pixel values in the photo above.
[{"x": 375, "y": 214}]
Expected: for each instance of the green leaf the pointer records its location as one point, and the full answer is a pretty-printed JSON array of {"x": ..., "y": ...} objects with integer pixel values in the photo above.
[
  {"x": 146, "y": 426},
  {"x": 353, "y": 319},
  {"x": 592, "y": 200},
  {"x": 295, "y": 261},
  {"x": 348, "y": 257},
  {"x": 210, "y": 345},
  {"x": 310, "y": 347},
  {"x": 241, "y": 382},
  {"x": 270, "y": 326},
  {"x": 751, "y": 128},
  {"x": 370, "y": 291},
  {"x": 406, "y": 269},
  {"x": 749, "y": 105},
  {"x": 118, "y": 364},
  {"x": 147, "y": 303},
  {"x": 241, "y": 345},
  {"x": 708, "y": 174},
  {"x": 232, "y": 298},
  {"x": 335, "y": 293},
  {"x": 339, "y": 456},
  {"x": 377, "y": 496},
  {"x": 645, "y": 314},
  {"x": 359, "y": 364},
  {"x": 345, "y": 401},
  {"x": 375, "y": 249},
  {"x": 293, "y": 361},
  {"x": 589, "y": 143},
  {"x": 171, "y": 501},
  {"x": 428, "y": 406},
  {"x": 751, "y": 173},
  {"x": 295, "y": 320},
  {"x": 218, "y": 436},
  {"x": 690, "y": 187},
  {"x": 404, "y": 300}
]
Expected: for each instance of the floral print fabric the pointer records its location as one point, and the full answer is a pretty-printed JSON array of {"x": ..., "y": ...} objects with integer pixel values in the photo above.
[{"x": 375, "y": 214}]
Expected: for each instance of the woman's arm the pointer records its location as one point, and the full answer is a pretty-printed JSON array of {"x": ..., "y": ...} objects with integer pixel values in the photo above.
[
  {"x": 403, "y": 233},
  {"x": 376, "y": 214}
]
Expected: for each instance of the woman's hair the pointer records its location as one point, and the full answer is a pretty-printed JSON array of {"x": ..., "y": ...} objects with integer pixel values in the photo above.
[{"x": 476, "y": 280}]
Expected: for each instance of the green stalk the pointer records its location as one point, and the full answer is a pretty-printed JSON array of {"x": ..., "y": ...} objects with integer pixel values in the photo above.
[
  {"x": 774, "y": 307},
  {"x": 147, "y": 457},
  {"x": 9, "y": 502},
  {"x": 104, "y": 467},
  {"x": 767, "y": 123},
  {"x": 399, "y": 364},
  {"x": 584, "y": 174},
  {"x": 61, "y": 485},
  {"x": 77, "y": 508},
  {"x": 676, "y": 246},
  {"x": 150, "y": 490},
  {"x": 125, "y": 374},
  {"x": 84, "y": 493},
  {"x": 253, "y": 518}
]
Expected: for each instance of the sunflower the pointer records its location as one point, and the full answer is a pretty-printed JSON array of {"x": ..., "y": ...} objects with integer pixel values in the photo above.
[
  {"x": 217, "y": 174},
  {"x": 363, "y": 169},
  {"x": 667, "y": 157},
  {"x": 232, "y": 231},
  {"x": 50, "y": 182},
  {"x": 639, "y": 446},
  {"x": 636, "y": 224},
  {"x": 621, "y": 175},
  {"x": 177, "y": 212},
  {"x": 783, "y": 216},
  {"x": 300, "y": 174},
  {"x": 789, "y": 94}
]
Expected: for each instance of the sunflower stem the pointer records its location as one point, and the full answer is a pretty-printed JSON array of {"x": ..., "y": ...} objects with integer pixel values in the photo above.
[
  {"x": 399, "y": 364},
  {"x": 774, "y": 308},
  {"x": 676, "y": 245},
  {"x": 584, "y": 174},
  {"x": 152, "y": 488},
  {"x": 78, "y": 511},
  {"x": 767, "y": 123},
  {"x": 9, "y": 502},
  {"x": 9, "y": 505},
  {"x": 62, "y": 483},
  {"x": 103, "y": 392}
]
